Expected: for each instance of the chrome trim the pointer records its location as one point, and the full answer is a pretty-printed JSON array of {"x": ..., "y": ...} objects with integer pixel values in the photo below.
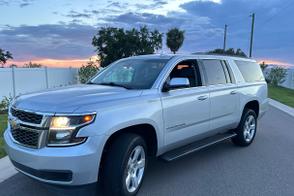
[
  {"x": 74, "y": 114},
  {"x": 43, "y": 123},
  {"x": 68, "y": 145},
  {"x": 33, "y": 111},
  {"x": 41, "y": 134}
]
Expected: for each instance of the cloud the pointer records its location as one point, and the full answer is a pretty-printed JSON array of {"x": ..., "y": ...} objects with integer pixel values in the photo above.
[
  {"x": 74, "y": 14},
  {"x": 196, "y": 28},
  {"x": 4, "y": 2},
  {"x": 202, "y": 21},
  {"x": 24, "y": 4},
  {"x": 48, "y": 41},
  {"x": 117, "y": 4},
  {"x": 273, "y": 35},
  {"x": 20, "y": 3}
]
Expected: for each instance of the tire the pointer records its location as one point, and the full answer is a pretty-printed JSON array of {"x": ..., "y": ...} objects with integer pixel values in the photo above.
[
  {"x": 246, "y": 130},
  {"x": 124, "y": 166}
]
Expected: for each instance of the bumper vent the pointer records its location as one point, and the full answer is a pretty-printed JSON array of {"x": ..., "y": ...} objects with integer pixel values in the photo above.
[{"x": 28, "y": 117}]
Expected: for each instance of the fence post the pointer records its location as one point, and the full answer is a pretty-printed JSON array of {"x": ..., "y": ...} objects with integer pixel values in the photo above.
[
  {"x": 13, "y": 81},
  {"x": 292, "y": 81},
  {"x": 46, "y": 77}
]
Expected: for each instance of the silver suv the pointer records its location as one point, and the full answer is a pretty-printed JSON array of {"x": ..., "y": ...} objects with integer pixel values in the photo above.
[{"x": 154, "y": 105}]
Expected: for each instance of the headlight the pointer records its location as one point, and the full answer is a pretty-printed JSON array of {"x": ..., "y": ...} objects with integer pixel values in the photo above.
[{"x": 63, "y": 129}]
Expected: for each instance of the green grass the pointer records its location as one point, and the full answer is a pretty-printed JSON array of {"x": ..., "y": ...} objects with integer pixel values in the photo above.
[
  {"x": 3, "y": 124},
  {"x": 281, "y": 94}
]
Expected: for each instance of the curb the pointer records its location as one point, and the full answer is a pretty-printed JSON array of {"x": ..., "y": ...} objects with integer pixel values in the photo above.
[
  {"x": 6, "y": 169},
  {"x": 284, "y": 108}
]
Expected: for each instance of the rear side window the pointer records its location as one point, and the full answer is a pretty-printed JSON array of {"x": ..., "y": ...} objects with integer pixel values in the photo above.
[
  {"x": 214, "y": 72},
  {"x": 251, "y": 71}
]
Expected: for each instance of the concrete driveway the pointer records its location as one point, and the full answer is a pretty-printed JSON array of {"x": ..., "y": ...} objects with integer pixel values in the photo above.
[{"x": 265, "y": 168}]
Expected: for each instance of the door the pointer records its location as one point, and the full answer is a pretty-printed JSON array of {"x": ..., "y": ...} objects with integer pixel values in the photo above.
[
  {"x": 186, "y": 110},
  {"x": 224, "y": 98}
]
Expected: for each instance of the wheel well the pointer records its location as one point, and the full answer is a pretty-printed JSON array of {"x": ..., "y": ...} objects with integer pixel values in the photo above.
[
  {"x": 146, "y": 131},
  {"x": 254, "y": 105}
]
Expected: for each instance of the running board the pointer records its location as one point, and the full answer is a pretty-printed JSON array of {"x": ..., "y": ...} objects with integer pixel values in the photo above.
[{"x": 196, "y": 146}]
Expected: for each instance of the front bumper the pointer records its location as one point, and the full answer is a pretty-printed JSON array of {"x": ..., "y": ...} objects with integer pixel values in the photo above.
[{"x": 75, "y": 165}]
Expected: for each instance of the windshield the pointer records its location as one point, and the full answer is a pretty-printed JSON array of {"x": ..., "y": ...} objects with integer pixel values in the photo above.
[{"x": 131, "y": 73}]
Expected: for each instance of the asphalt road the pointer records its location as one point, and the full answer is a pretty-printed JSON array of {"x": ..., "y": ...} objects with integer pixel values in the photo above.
[{"x": 264, "y": 168}]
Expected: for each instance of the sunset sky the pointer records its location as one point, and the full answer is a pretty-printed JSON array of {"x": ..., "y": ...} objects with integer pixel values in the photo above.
[{"x": 59, "y": 32}]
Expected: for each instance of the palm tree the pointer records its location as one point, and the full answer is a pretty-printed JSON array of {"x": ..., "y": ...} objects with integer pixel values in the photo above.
[
  {"x": 174, "y": 39},
  {"x": 4, "y": 56}
]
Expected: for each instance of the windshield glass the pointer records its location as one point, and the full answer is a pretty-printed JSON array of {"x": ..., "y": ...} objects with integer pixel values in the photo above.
[{"x": 131, "y": 73}]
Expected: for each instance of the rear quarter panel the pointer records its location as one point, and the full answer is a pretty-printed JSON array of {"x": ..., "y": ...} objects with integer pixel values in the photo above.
[{"x": 250, "y": 91}]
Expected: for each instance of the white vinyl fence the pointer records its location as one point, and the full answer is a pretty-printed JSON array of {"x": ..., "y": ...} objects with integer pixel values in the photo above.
[
  {"x": 16, "y": 81},
  {"x": 289, "y": 79}
]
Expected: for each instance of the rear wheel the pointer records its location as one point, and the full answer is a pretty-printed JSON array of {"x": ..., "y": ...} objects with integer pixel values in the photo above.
[
  {"x": 124, "y": 167},
  {"x": 246, "y": 130}
]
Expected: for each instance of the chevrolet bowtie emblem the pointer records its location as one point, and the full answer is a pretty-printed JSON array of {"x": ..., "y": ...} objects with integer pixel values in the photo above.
[{"x": 13, "y": 123}]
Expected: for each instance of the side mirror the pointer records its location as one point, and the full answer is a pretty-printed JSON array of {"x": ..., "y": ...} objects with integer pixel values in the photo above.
[{"x": 176, "y": 83}]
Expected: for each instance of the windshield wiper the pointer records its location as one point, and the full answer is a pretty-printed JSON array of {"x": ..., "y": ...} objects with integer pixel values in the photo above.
[{"x": 114, "y": 84}]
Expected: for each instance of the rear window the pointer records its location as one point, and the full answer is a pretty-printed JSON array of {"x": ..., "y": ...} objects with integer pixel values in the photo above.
[{"x": 250, "y": 70}]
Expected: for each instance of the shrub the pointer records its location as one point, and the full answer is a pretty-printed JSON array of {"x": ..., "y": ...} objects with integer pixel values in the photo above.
[
  {"x": 87, "y": 71},
  {"x": 263, "y": 66},
  {"x": 277, "y": 75},
  {"x": 5, "y": 103}
]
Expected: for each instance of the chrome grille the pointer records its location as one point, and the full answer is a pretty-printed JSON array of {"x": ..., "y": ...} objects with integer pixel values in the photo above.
[
  {"x": 28, "y": 117},
  {"x": 27, "y": 137}
]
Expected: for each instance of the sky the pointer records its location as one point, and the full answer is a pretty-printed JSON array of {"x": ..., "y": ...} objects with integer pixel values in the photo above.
[{"x": 59, "y": 32}]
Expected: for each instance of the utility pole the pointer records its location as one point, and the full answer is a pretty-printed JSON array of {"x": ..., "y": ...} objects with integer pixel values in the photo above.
[
  {"x": 252, "y": 32},
  {"x": 225, "y": 37}
]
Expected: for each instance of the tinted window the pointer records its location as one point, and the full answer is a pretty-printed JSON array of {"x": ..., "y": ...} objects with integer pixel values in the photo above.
[
  {"x": 131, "y": 73},
  {"x": 214, "y": 72},
  {"x": 187, "y": 69},
  {"x": 251, "y": 71}
]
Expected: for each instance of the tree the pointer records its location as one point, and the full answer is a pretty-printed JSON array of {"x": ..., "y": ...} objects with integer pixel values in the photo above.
[
  {"x": 277, "y": 75},
  {"x": 88, "y": 71},
  {"x": 175, "y": 39},
  {"x": 4, "y": 56},
  {"x": 115, "y": 43},
  {"x": 240, "y": 53},
  {"x": 32, "y": 65},
  {"x": 229, "y": 51},
  {"x": 263, "y": 65}
]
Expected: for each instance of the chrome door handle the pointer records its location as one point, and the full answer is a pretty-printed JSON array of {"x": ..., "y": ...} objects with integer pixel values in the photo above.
[
  {"x": 202, "y": 98},
  {"x": 233, "y": 92}
]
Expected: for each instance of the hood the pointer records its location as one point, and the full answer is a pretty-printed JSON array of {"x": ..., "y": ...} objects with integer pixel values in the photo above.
[{"x": 69, "y": 99}]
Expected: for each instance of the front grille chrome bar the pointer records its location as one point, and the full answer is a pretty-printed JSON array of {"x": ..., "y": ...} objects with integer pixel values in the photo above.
[{"x": 18, "y": 137}]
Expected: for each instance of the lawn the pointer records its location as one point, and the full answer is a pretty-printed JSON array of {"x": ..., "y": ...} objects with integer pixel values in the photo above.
[
  {"x": 3, "y": 124},
  {"x": 283, "y": 95}
]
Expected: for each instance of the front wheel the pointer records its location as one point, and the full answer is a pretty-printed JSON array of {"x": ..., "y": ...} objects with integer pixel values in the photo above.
[
  {"x": 124, "y": 167},
  {"x": 246, "y": 130}
]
